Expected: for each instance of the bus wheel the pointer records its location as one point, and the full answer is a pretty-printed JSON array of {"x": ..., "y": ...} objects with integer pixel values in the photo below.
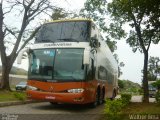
[
  {"x": 96, "y": 102},
  {"x": 103, "y": 95},
  {"x": 114, "y": 95},
  {"x": 53, "y": 103}
]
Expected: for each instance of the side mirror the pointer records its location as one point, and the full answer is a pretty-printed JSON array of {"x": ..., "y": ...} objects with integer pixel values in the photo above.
[
  {"x": 20, "y": 55},
  {"x": 86, "y": 57},
  {"x": 94, "y": 42}
]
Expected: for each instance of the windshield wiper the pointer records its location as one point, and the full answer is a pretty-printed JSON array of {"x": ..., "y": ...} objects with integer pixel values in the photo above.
[{"x": 69, "y": 39}]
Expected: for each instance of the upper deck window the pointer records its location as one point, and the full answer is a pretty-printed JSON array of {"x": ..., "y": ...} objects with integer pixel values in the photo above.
[{"x": 71, "y": 31}]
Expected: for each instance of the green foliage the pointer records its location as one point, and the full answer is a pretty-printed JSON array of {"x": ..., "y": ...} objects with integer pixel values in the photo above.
[
  {"x": 126, "y": 98},
  {"x": 6, "y": 96},
  {"x": 141, "y": 109},
  {"x": 126, "y": 86},
  {"x": 58, "y": 13},
  {"x": 112, "y": 45},
  {"x": 157, "y": 97},
  {"x": 140, "y": 91},
  {"x": 157, "y": 84},
  {"x": 11, "y": 96},
  {"x": 134, "y": 13},
  {"x": 113, "y": 107},
  {"x": 20, "y": 96},
  {"x": 153, "y": 68},
  {"x": 96, "y": 10},
  {"x": 120, "y": 65},
  {"x": 120, "y": 84}
]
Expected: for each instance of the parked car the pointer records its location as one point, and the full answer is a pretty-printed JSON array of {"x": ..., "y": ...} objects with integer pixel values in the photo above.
[
  {"x": 21, "y": 86},
  {"x": 152, "y": 90}
]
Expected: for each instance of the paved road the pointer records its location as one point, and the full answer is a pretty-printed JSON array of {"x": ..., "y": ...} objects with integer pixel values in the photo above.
[
  {"x": 46, "y": 111},
  {"x": 139, "y": 99}
]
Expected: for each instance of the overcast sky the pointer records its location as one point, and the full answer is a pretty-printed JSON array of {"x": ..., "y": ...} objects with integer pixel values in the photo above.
[{"x": 133, "y": 61}]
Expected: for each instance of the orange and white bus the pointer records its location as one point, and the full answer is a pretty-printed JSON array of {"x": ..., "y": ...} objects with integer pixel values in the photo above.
[{"x": 70, "y": 62}]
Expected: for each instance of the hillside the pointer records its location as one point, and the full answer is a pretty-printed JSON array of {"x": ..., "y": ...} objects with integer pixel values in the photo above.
[
  {"x": 127, "y": 86},
  {"x": 16, "y": 71}
]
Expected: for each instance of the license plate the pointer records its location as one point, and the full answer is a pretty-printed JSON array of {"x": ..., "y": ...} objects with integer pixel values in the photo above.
[{"x": 50, "y": 97}]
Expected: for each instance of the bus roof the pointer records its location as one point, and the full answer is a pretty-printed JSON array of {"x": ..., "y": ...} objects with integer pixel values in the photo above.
[{"x": 69, "y": 20}]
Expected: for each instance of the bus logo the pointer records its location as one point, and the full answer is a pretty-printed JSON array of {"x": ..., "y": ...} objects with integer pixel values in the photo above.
[{"x": 51, "y": 89}]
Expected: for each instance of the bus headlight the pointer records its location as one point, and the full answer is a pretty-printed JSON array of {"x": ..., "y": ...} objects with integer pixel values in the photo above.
[
  {"x": 78, "y": 90},
  {"x": 31, "y": 87}
]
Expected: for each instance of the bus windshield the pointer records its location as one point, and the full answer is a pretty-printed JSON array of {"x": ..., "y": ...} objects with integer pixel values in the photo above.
[
  {"x": 56, "y": 65},
  {"x": 71, "y": 31}
]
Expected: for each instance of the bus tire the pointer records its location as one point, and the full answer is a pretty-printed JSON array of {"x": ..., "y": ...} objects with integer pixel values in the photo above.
[
  {"x": 103, "y": 95},
  {"x": 96, "y": 102},
  {"x": 113, "y": 95},
  {"x": 53, "y": 103}
]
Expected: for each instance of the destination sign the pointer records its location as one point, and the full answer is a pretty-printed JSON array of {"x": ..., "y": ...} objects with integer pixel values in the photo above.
[{"x": 58, "y": 44}]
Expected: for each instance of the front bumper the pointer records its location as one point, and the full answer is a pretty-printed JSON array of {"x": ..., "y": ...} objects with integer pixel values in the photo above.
[{"x": 73, "y": 98}]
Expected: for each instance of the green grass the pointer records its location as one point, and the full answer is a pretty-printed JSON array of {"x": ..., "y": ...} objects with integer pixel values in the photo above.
[
  {"x": 142, "y": 108},
  {"x": 12, "y": 96}
]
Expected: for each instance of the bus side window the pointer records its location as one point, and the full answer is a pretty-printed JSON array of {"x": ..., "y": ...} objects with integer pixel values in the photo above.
[
  {"x": 102, "y": 73},
  {"x": 110, "y": 78},
  {"x": 91, "y": 70}
]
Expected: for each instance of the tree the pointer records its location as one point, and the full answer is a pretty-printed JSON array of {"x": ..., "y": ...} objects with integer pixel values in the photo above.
[
  {"x": 143, "y": 18},
  {"x": 157, "y": 84},
  {"x": 28, "y": 10},
  {"x": 96, "y": 10},
  {"x": 59, "y": 13},
  {"x": 153, "y": 68},
  {"x": 121, "y": 84},
  {"x": 120, "y": 65}
]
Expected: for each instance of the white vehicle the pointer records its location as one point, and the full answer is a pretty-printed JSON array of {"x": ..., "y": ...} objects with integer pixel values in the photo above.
[
  {"x": 70, "y": 62},
  {"x": 152, "y": 89}
]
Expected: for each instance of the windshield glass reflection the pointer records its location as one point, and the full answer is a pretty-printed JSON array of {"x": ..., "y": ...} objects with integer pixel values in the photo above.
[
  {"x": 57, "y": 64},
  {"x": 75, "y": 31}
]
